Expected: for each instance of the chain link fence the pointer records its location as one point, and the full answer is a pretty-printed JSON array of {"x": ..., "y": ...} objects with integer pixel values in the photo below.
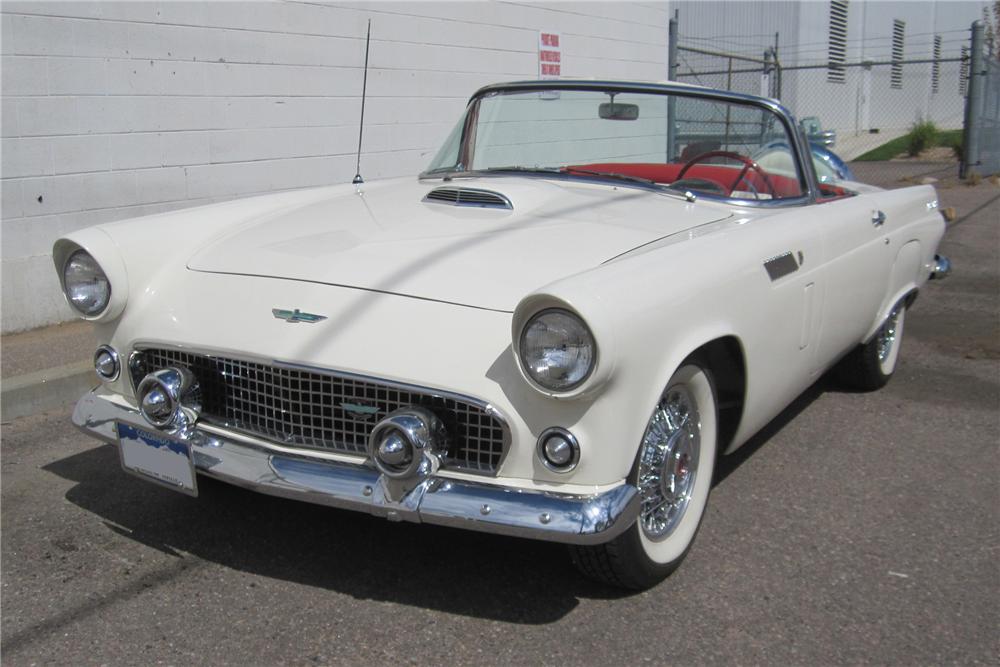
[
  {"x": 989, "y": 121},
  {"x": 896, "y": 121},
  {"x": 982, "y": 125}
]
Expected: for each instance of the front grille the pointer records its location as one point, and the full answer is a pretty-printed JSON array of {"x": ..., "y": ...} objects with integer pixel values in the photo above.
[{"x": 306, "y": 408}]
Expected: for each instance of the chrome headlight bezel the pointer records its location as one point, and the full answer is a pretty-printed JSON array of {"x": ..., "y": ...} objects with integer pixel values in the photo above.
[
  {"x": 101, "y": 305},
  {"x": 526, "y": 366}
]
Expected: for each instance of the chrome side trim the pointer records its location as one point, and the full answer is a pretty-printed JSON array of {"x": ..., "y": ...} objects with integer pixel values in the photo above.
[
  {"x": 542, "y": 515},
  {"x": 138, "y": 346}
]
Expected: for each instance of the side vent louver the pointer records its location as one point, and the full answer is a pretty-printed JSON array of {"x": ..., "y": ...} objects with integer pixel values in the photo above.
[{"x": 468, "y": 197}]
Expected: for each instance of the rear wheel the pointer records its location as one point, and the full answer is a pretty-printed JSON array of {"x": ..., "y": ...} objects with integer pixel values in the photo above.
[
  {"x": 870, "y": 365},
  {"x": 673, "y": 472}
]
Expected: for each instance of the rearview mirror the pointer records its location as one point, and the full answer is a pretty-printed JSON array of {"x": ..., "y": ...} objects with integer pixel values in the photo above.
[{"x": 618, "y": 111}]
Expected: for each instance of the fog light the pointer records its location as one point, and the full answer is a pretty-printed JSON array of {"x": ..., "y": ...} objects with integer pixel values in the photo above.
[
  {"x": 157, "y": 407},
  {"x": 558, "y": 449},
  {"x": 395, "y": 450},
  {"x": 106, "y": 363},
  {"x": 408, "y": 443},
  {"x": 170, "y": 399}
]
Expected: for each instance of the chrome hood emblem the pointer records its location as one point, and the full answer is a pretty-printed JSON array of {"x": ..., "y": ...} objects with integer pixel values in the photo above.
[{"x": 295, "y": 316}]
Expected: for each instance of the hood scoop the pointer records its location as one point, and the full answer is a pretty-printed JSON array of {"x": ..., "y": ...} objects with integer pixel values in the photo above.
[{"x": 456, "y": 196}]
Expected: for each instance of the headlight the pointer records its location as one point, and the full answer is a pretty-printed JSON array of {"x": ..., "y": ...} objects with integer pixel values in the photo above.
[
  {"x": 557, "y": 350},
  {"x": 87, "y": 288}
]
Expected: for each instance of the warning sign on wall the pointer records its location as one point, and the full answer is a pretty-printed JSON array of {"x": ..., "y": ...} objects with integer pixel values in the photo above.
[{"x": 549, "y": 55}]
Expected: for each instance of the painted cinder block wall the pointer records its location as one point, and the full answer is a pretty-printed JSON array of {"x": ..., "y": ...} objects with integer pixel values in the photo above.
[{"x": 112, "y": 110}]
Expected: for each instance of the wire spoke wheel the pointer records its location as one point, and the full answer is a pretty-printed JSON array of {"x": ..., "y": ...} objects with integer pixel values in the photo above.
[
  {"x": 887, "y": 340},
  {"x": 673, "y": 474},
  {"x": 668, "y": 462}
]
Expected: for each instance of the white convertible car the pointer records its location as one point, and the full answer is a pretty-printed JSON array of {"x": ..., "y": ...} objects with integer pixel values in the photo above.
[{"x": 592, "y": 292}]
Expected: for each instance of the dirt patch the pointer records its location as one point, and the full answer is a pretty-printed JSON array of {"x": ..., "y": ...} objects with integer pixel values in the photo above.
[{"x": 936, "y": 154}]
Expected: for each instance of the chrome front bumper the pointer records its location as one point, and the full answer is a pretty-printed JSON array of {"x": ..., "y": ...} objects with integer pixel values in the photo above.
[{"x": 573, "y": 519}]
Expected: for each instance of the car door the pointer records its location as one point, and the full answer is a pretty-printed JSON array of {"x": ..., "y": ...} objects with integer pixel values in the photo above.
[{"x": 857, "y": 238}]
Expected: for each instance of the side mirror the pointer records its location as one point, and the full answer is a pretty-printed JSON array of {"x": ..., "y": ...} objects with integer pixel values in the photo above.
[{"x": 618, "y": 111}]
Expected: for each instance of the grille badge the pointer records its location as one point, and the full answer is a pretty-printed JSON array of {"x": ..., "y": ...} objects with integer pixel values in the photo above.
[
  {"x": 360, "y": 411},
  {"x": 296, "y": 316}
]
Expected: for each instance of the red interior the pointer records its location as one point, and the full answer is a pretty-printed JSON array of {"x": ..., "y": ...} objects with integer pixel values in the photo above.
[
  {"x": 723, "y": 175},
  {"x": 829, "y": 191}
]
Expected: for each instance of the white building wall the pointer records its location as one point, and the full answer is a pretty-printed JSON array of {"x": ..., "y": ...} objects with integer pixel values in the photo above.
[
  {"x": 113, "y": 110},
  {"x": 747, "y": 28},
  {"x": 891, "y": 111}
]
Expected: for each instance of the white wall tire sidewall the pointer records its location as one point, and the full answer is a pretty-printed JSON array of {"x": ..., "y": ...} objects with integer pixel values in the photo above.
[
  {"x": 672, "y": 547},
  {"x": 888, "y": 365}
]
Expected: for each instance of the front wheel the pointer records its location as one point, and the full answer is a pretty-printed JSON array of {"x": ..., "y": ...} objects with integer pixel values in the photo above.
[{"x": 673, "y": 472}]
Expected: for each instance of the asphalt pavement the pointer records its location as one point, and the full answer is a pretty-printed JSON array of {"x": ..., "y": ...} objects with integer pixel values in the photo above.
[{"x": 857, "y": 528}]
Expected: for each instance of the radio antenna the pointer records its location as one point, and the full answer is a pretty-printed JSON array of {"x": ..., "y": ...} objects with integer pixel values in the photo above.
[{"x": 364, "y": 89}]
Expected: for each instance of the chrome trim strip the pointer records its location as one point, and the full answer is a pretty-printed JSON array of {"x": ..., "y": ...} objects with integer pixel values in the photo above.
[
  {"x": 472, "y": 505},
  {"x": 489, "y": 408},
  {"x": 267, "y": 446}
]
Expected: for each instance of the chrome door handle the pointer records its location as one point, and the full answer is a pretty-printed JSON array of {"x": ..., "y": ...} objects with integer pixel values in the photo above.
[{"x": 878, "y": 218}]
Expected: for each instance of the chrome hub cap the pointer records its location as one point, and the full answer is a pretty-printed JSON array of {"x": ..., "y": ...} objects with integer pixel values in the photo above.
[
  {"x": 887, "y": 335},
  {"x": 668, "y": 463}
]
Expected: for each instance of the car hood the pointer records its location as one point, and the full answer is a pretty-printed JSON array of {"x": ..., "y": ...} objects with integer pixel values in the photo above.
[{"x": 386, "y": 238}]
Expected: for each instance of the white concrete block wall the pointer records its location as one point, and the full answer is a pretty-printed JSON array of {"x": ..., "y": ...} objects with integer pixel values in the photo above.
[{"x": 112, "y": 110}]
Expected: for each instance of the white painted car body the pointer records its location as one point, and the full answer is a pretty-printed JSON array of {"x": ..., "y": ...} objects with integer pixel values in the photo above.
[{"x": 435, "y": 296}]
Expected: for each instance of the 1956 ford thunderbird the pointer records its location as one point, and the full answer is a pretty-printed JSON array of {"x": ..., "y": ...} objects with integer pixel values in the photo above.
[{"x": 593, "y": 291}]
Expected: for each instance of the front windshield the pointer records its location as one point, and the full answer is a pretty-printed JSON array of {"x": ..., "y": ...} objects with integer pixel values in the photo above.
[{"x": 712, "y": 148}]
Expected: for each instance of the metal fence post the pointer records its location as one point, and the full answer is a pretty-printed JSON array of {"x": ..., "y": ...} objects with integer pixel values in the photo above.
[
  {"x": 671, "y": 76},
  {"x": 973, "y": 102},
  {"x": 766, "y": 84},
  {"x": 777, "y": 76},
  {"x": 777, "y": 67}
]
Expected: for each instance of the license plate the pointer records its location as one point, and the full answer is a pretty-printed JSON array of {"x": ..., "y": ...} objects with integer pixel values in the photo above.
[{"x": 157, "y": 458}]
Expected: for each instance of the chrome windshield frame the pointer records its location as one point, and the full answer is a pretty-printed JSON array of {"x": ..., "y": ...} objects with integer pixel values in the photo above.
[{"x": 796, "y": 138}]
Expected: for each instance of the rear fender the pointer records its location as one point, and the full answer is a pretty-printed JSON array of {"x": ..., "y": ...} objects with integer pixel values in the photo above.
[{"x": 902, "y": 284}]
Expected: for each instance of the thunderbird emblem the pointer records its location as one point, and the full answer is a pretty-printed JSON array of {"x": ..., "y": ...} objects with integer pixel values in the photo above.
[
  {"x": 295, "y": 316},
  {"x": 360, "y": 411}
]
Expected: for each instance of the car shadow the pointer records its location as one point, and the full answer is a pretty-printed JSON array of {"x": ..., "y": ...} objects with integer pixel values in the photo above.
[
  {"x": 727, "y": 465},
  {"x": 455, "y": 571},
  {"x": 451, "y": 570}
]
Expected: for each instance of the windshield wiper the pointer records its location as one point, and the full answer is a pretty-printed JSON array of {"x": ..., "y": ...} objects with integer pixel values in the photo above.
[
  {"x": 573, "y": 170},
  {"x": 569, "y": 171},
  {"x": 613, "y": 174},
  {"x": 525, "y": 170}
]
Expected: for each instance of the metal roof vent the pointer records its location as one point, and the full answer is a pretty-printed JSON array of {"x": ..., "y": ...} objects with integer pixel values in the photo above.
[{"x": 468, "y": 197}]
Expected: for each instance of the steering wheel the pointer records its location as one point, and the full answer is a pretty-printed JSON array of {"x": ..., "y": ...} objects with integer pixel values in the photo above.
[{"x": 748, "y": 164}]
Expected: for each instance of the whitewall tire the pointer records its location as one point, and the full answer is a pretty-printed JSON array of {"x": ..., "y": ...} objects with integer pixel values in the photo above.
[
  {"x": 673, "y": 472},
  {"x": 870, "y": 365}
]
